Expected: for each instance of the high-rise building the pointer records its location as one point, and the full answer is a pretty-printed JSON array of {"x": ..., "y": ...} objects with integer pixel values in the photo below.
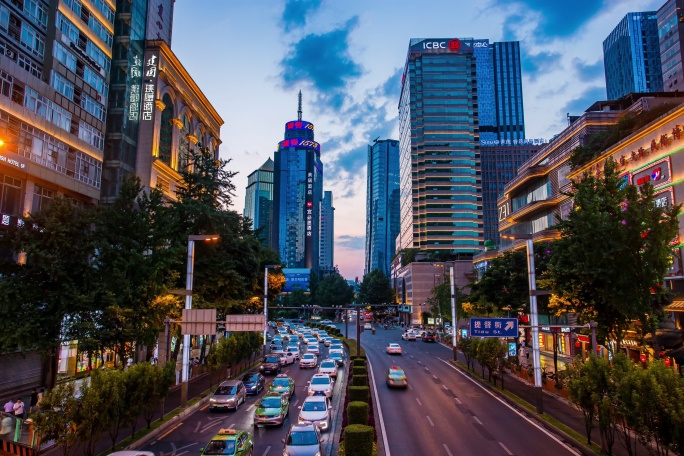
[
  {"x": 440, "y": 182},
  {"x": 631, "y": 56},
  {"x": 297, "y": 194},
  {"x": 671, "y": 35},
  {"x": 326, "y": 253},
  {"x": 259, "y": 200},
  {"x": 382, "y": 204}
]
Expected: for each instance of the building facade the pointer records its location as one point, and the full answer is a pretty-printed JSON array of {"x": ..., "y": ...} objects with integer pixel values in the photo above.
[
  {"x": 297, "y": 195},
  {"x": 631, "y": 56},
  {"x": 671, "y": 35},
  {"x": 382, "y": 205},
  {"x": 259, "y": 200},
  {"x": 326, "y": 253},
  {"x": 510, "y": 115}
]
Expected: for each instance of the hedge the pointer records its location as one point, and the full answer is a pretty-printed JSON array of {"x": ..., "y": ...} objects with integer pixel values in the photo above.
[
  {"x": 359, "y": 393},
  {"x": 359, "y": 380},
  {"x": 357, "y": 412},
  {"x": 359, "y": 370},
  {"x": 358, "y": 440},
  {"x": 359, "y": 362},
  {"x": 351, "y": 345}
]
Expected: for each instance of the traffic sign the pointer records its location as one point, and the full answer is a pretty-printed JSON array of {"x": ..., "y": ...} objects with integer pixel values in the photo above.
[
  {"x": 494, "y": 327},
  {"x": 512, "y": 349}
]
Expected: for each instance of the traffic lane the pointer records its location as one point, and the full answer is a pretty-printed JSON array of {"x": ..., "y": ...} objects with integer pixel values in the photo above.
[{"x": 502, "y": 422}]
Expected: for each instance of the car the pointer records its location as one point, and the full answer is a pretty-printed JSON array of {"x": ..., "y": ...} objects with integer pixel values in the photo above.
[
  {"x": 227, "y": 442},
  {"x": 429, "y": 337},
  {"x": 278, "y": 339},
  {"x": 312, "y": 348},
  {"x": 393, "y": 349},
  {"x": 270, "y": 364},
  {"x": 308, "y": 360},
  {"x": 275, "y": 346},
  {"x": 328, "y": 366},
  {"x": 294, "y": 351},
  {"x": 326, "y": 322},
  {"x": 316, "y": 410},
  {"x": 327, "y": 341},
  {"x": 418, "y": 332},
  {"x": 321, "y": 384},
  {"x": 367, "y": 326},
  {"x": 314, "y": 331},
  {"x": 272, "y": 409},
  {"x": 132, "y": 453},
  {"x": 336, "y": 345},
  {"x": 408, "y": 336},
  {"x": 287, "y": 358},
  {"x": 396, "y": 377},
  {"x": 337, "y": 357},
  {"x": 283, "y": 385},
  {"x": 303, "y": 440},
  {"x": 254, "y": 383},
  {"x": 228, "y": 395}
]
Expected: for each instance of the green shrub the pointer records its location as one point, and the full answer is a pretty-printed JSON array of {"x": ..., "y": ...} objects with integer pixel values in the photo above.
[
  {"x": 359, "y": 362},
  {"x": 358, "y": 440},
  {"x": 359, "y": 393},
  {"x": 357, "y": 412},
  {"x": 359, "y": 380},
  {"x": 359, "y": 370}
]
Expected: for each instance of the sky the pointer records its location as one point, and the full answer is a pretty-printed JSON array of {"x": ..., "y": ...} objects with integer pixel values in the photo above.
[{"x": 250, "y": 58}]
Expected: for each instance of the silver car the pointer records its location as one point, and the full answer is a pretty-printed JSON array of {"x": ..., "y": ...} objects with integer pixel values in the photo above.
[
  {"x": 321, "y": 384},
  {"x": 229, "y": 395},
  {"x": 316, "y": 410},
  {"x": 303, "y": 440}
]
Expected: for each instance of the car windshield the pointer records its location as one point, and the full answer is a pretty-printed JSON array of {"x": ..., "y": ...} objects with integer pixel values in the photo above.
[
  {"x": 281, "y": 382},
  {"x": 314, "y": 406},
  {"x": 302, "y": 438},
  {"x": 225, "y": 390},
  {"x": 220, "y": 447},
  {"x": 250, "y": 378},
  {"x": 396, "y": 373},
  {"x": 271, "y": 359},
  {"x": 320, "y": 380},
  {"x": 328, "y": 364},
  {"x": 270, "y": 402}
]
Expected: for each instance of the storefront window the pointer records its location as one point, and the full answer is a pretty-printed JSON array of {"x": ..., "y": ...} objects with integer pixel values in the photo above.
[
  {"x": 10, "y": 195},
  {"x": 183, "y": 144}
]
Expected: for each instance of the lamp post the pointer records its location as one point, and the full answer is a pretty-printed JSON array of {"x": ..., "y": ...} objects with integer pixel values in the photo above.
[
  {"x": 534, "y": 317},
  {"x": 266, "y": 268},
  {"x": 188, "y": 305}
]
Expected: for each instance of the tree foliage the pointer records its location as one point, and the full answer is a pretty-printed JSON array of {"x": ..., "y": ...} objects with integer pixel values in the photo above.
[
  {"x": 333, "y": 290},
  {"x": 376, "y": 289}
]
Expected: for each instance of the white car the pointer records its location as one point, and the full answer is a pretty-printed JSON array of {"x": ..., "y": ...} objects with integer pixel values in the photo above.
[
  {"x": 308, "y": 360},
  {"x": 287, "y": 358},
  {"x": 294, "y": 351},
  {"x": 327, "y": 341},
  {"x": 313, "y": 348},
  {"x": 329, "y": 367},
  {"x": 367, "y": 326},
  {"x": 393, "y": 349},
  {"x": 326, "y": 322},
  {"x": 409, "y": 335},
  {"x": 316, "y": 410},
  {"x": 321, "y": 384}
]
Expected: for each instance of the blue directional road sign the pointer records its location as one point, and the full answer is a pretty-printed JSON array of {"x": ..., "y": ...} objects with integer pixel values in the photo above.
[{"x": 494, "y": 327}]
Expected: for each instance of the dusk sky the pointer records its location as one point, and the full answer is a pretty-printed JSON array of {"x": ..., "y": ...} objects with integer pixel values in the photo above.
[{"x": 250, "y": 58}]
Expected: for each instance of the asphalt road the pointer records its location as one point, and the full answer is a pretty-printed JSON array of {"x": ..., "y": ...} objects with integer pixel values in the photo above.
[
  {"x": 443, "y": 412},
  {"x": 197, "y": 429}
]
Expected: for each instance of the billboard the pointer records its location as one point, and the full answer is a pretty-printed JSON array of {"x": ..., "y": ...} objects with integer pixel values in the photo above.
[
  {"x": 445, "y": 45},
  {"x": 296, "y": 279}
]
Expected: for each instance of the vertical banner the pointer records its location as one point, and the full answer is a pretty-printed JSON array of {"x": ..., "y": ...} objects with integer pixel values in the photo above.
[
  {"x": 309, "y": 212},
  {"x": 150, "y": 72}
]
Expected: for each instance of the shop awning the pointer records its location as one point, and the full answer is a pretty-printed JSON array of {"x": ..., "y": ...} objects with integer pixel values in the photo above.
[{"x": 676, "y": 306}]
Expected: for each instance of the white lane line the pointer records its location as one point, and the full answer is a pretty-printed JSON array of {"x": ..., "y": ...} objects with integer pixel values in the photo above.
[
  {"x": 506, "y": 449},
  {"x": 184, "y": 447},
  {"x": 210, "y": 425},
  {"x": 458, "y": 401},
  {"x": 447, "y": 449},
  {"x": 377, "y": 404},
  {"x": 434, "y": 376},
  {"x": 431, "y": 423},
  {"x": 410, "y": 387},
  {"x": 251, "y": 406},
  {"x": 197, "y": 427},
  {"x": 268, "y": 448},
  {"x": 231, "y": 426},
  {"x": 477, "y": 420},
  {"x": 418, "y": 400},
  {"x": 444, "y": 386},
  {"x": 529, "y": 420}
]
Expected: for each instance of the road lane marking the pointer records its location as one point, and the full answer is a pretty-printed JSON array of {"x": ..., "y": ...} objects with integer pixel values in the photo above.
[
  {"x": 447, "y": 449},
  {"x": 444, "y": 386},
  {"x": 170, "y": 431},
  {"x": 268, "y": 448},
  {"x": 377, "y": 404},
  {"x": 205, "y": 407},
  {"x": 418, "y": 400},
  {"x": 434, "y": 376},
  {"x": 428, "y": 418},
  {"x": 506, "y": 449},
  {"x": 514, "y": 410},
  {"x": 477, "y": 420},
  {"x": 458, "y": 400},
  {"x": 410, "y": 387},
  {"x": 199, "y": 423}
]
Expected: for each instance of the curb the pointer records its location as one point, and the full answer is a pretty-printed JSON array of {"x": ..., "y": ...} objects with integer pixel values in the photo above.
[{"x": 336, "y": 422}]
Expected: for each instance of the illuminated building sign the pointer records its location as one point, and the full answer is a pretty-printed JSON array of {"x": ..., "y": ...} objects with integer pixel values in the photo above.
[
  {"x": 302, "y": 143},
  {"x": 134, "y": 96},
  {"x": 7, "y": 220},
  {"x": 663, "y": 199},
  {"x": 656, "y": 175},
  {"x": 299, "y": 125},
  {"x": 296, "y": 279},
  {"x": 12, "y": 160},
  {"x": 149, "y": 85},
  {"x": 447, "y": 45},
  {"x": 514, "y": 142},
  {"x": 504, "y": 211}
]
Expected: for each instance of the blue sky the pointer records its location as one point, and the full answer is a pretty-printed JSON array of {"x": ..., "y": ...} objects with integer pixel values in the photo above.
[{"x": 250, "y": 58}]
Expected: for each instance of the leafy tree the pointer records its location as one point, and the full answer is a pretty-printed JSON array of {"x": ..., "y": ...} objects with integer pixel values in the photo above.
[
  {"x": 468, "y": 345},
  {"x": 137, "y": 389},
  {"x": 57, "y": 419},
  {"x": 333, "y": 290},
  {"x": 440, "y": 301},
  {"x": 489, "y": 354},
  {"x": 612, "y": 223},
  {"x": 160, "y": 381},
  {"x": 375, "y": 289},
  {"x": 110, "y": 383},
  {"x": 297, "y": 298},
  {"x": 92, "y": 412}
]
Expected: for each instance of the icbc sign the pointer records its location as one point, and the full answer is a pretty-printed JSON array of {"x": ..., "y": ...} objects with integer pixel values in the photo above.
[{"x": 455, "y": 45}]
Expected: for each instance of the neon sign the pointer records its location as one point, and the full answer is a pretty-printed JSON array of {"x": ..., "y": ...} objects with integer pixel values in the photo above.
[
  {"x": 304, "y": 143},
  {"x": 655, "y": 176},
  {"x": 299, "y": 125}
]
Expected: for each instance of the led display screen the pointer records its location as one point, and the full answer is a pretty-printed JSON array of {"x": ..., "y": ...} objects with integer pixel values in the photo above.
[{"x": 296, "y": 279}]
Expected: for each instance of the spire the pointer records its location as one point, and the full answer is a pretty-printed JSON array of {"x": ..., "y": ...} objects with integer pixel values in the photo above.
[{"x": 299, "y": 111}]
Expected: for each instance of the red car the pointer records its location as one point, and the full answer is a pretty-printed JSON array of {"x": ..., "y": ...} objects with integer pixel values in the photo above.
[{"x": 429, "y": 337}]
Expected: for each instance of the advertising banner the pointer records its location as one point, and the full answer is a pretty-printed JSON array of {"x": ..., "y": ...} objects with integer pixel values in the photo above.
[{"x": 296, "y": 279}]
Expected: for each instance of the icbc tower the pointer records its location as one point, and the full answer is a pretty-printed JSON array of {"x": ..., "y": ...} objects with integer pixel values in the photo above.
[{"x": 297, "y": 195}]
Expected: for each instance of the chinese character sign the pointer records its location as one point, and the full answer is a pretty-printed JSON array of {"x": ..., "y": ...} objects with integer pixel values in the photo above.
[
  {"x": 135, "y": 73},
  {"x": 150, "y": 71}
]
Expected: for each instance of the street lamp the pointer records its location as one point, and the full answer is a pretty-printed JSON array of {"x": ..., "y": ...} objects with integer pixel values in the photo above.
[
  {"x": 454, "y": 315},
  {"x": 534, "y": 318},
  {"x": 266, "y": 268},
  {"x": 188, "y": 305}
]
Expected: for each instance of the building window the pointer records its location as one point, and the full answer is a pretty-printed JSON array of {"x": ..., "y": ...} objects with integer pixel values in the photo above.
[
  {"x": 90, "y": 135},
  {"x": 93, "y": 107},
  {"x": 28, "y": 65},
  {"x": 4, "y": 18},
  {"x": 166, "y": 131},
  {"x": 10, "y": 195},
  {"x": 6, "y": 84},
  {"x": 67, "y": 27},
  {"x": 184, "y": 145},
  {"x": 105, "y": 9},
  {"x": 100, "y": 30},
  {"x": 61, "y": 85},
  {"x": 65, "y": 56},
  {"x": 47, "y": 109},
  {"x": 96, "y": 82},
  {"x": 41, "y": 197},
  {"x": 35, "y": 11},
  {"x": 96, "y": 54},
  {"x": 75, "y": 6},
  {"x": 31, "y": 40}
]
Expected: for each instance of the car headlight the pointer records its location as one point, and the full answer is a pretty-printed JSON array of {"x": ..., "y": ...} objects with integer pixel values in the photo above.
[{"x": 212, "y": 400}]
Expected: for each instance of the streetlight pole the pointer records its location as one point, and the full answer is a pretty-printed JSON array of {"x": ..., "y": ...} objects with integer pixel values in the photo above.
[
  {"x": 266, "y": 268},
  {"x": 454, "y": 317}
]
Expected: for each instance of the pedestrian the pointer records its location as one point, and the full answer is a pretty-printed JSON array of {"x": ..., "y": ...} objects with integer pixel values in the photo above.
[
  {"x": 7, "y": 428},
  {"x": 9, "y": 406},
  {"x": 19, "y": 409},
  {"x": 40, "y": 396},
  {"x": 34, "y": 400}
]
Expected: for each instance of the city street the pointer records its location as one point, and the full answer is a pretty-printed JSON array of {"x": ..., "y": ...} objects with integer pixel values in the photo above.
[{"x": 444, "y": 412}]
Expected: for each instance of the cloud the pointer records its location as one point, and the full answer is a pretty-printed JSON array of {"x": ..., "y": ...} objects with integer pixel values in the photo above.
[
  {"x": 537, "y": 64},
  {"x": 558, "y": 19},
  {"x": 588, "y": 71},
  {"x": 511, "y": 27},
  {"x": 323, "y": 62},
  {"x": 296, "y": 13},
  {"x": 587, "y": 98},
  {"x": 351, "y": 242}
]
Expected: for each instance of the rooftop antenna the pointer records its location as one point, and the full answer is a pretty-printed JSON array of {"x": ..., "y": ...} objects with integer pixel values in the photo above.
[{"x": 299, "y": 111}]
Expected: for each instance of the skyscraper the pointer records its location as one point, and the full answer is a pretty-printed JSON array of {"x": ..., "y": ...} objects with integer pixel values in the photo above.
[
  {"x": 382, "y": 204},
  {"x": 259, "y": 199},
  {"x": 297, "y": 194},
  {"x": 671, "y": 35},
  {"x": 631, "y": 56},
  {"x": 326, "y": 260}
]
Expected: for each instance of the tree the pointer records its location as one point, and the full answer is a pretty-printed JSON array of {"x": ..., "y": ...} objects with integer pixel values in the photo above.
[
  {"x": 376, "y": 289},
  {"x": 111, "y": 384},
  {"x": 333, "y": 290},
  {"x": 468, "y": 345},
  {"x": 440, "y": 301},
  {"x": 489, "y": 353},
  {"x": 91, "y": 418},
  {"x": 160, "y": 381},
  {"x": 58, "y": 417},
  {"x": 613, "y": 223}
]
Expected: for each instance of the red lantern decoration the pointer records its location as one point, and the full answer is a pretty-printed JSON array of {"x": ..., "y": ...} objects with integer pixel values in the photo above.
[
  {"x": 643, "y": 358},
  {"x": 667, "y": 362},
  {"x": 577, "y": 344}
]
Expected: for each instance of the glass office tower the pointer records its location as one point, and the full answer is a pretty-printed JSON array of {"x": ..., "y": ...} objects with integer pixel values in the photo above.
[
  {"x": 382, "y": 204},
  {"x": 440, "y": 183},
  {"x": 510, "y": 117},
  {"x": 670, "y": 18},
  {"x": 259, "y": 199},
  {"x": 631, "y": 56},
  {"x": 327, "y": 237}
]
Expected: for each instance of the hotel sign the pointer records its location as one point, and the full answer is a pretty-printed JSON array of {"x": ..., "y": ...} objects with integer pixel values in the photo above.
[
  {"x": 13, "y": 160},
  {"x": 504, "y": 211},
  {"x": 150, "y": 73}
]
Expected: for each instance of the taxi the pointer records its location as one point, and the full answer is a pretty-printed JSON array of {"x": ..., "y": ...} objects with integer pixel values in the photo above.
[
  {"x": 396, "y": 377},
  {"x": 282, "y": 385},
  {"x": 393, "y": 349},
  {"x": 231, "y": 442},
  {"x": 272, "y": 409}
]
